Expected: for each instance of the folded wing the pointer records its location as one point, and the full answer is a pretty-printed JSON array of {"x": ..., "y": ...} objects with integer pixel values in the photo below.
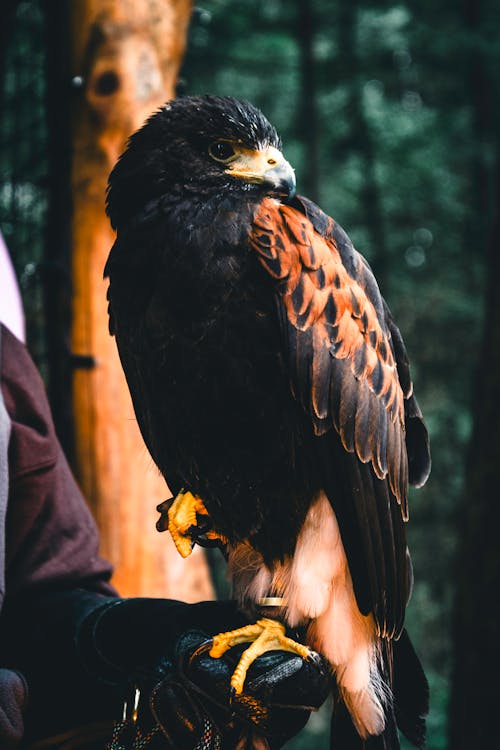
[{"x": 349, "y": 370}]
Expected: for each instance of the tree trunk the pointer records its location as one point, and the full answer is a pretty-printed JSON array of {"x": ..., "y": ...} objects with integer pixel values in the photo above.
[
  {"x": 126, "y": 55},
  {"x": 477, "y": 608},
  {"x": 308, "y": 115},
  {"x": 361, "y": 139}
]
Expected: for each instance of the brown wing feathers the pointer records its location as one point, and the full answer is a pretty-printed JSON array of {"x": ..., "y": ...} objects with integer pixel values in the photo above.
[{"x": 344, "y": 366}]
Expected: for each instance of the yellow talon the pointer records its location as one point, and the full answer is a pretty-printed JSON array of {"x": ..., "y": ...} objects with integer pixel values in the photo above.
[
  {"x": 266, "y": 634},
  {"x": 181, "y": 517}
]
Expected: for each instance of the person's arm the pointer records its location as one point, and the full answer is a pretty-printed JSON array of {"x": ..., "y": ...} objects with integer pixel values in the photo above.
[{"x": 53, "y": 572}]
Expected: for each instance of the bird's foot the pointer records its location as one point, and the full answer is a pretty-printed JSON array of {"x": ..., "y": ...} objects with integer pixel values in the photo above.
[
  {"x": 182, "y": 519},
  {"x": 267, "y": 635},
  {"x": 188, "y": 521}
]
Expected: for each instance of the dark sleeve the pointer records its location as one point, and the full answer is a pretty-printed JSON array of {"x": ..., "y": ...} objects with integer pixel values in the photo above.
[
  {"x": 54, "y": 574},
  {"x": 51, "y": 538}
]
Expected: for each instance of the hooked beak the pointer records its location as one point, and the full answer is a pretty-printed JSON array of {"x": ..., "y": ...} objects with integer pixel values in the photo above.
[
  {"x": 282, "y": 180},
  {"x": 265, "y": 167}
]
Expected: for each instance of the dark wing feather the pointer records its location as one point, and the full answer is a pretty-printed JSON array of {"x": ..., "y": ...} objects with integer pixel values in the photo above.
[
  {"x": 343, "y": 367},
  {"x": 348, "y": 372},
  {"x": 417, "y": 438},
  {"x": 139, "y": 338}
]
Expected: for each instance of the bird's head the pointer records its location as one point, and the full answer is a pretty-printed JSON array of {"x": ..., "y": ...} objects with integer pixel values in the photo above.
[{"x": 198, "y": 147}]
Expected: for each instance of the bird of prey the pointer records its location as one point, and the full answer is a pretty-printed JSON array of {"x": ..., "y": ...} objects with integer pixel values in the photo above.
[{"x": 272, "y": 388}]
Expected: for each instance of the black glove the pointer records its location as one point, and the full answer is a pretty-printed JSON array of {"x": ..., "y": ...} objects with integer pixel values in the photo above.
[
  {"x": 162, "y": 648},
  {"x": 13, "y": 701}
]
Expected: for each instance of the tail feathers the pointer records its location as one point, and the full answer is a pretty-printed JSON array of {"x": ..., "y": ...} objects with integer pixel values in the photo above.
[
  {"x": 343, "y": 735},
  {"x": 411, "y": 691},
  {"x": 366, "y": 710},
  {"x": 406, "y": 711}
]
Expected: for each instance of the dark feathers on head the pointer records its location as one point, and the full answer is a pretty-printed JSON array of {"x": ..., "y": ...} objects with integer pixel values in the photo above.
[{"x": 170, "y": 152}]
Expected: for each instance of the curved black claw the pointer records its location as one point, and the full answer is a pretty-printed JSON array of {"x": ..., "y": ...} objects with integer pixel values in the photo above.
[
  {"x": 198, "y": 533},
  {"x": 314, "y": 658},
  {"x": 201, "y": 650},
  {"x": 163, "y": 508}
]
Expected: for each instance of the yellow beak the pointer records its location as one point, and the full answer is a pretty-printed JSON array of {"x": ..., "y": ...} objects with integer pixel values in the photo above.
[{"x": 266, "y": 167}]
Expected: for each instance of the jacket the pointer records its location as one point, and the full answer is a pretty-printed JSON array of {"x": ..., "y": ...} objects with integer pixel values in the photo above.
[{"x": 51, "y": 574}]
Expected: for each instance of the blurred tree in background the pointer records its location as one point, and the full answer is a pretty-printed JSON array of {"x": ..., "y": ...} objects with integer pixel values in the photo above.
[
  {"x": 387, "y": 111},
  {"x": 477, "y": 647}
]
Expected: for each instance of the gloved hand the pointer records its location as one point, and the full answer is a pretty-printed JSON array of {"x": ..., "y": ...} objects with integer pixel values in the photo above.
[
  {"x": 13, "y": 702},
  {"x": 162, "y": 648}
]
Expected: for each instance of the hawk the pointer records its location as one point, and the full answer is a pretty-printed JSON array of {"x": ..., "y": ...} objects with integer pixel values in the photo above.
[{"x": 272, "y": 388}]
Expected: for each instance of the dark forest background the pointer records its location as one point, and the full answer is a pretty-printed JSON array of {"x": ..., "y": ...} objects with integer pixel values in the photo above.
[{"x": 389, "y": 112}]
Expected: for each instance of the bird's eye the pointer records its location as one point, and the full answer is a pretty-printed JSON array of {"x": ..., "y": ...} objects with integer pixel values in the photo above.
[{"x": 221, "y": 151}]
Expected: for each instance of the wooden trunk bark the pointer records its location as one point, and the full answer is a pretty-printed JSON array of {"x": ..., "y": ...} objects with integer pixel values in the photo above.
[
  {"x": 308, "y": 111},
  {"x": 126, "y": 55},
  {"x": 361, "y": 138},
  {"x": 474, "y": 699}
]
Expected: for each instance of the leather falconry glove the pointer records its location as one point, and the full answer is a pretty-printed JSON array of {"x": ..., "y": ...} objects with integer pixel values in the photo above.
[{"x": 159, "y": 650}]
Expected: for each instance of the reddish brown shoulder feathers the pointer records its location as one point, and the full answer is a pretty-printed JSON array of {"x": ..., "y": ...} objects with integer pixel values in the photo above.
[{"x": 342, "y": 365}]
